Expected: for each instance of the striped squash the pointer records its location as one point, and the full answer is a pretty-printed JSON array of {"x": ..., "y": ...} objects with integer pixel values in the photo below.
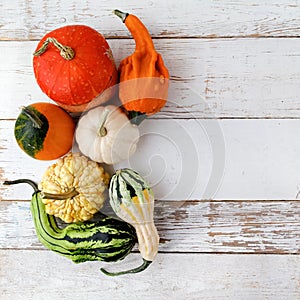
[
  {"x": 106, "y": 240},
  {"x": 132, "y": 200}
]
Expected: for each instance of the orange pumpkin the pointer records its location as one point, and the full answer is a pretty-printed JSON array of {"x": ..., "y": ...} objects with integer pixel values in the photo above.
[
  {"x": 73, "y": 65},
  {"x": 44, "y": 131}
]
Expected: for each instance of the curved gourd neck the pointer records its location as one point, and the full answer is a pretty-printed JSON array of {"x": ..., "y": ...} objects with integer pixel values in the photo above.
[
  {"x": 138, "y": 30},
  {"x": 42, "y": 220}
]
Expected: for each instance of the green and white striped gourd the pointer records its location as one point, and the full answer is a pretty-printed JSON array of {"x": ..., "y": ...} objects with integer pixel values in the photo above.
[
  {"x": 132, "y": 200},
  {"x": 106, "y": 240}
]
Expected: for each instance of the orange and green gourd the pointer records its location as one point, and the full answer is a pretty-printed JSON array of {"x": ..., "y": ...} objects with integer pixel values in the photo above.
[{"x": 44, "y": 131}]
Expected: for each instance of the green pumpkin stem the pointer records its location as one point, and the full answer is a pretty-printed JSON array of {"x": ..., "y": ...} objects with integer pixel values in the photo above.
[
  {"x": 63, "y": 196},
  {"x": 66, "y": 52},
  {"x": 31, "y": 114},
  {"x": 136, "y": 117},
  {"x": 120, "y": 14},
  {"x": 141, "y": 268}
]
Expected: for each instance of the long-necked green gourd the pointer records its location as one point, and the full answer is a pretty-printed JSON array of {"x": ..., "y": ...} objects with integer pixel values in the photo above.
[
  {"x": 106, "y": 240},
  {"x": 132, "y": 200}
]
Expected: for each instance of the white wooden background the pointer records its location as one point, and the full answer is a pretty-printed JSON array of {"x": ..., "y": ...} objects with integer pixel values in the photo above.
[{"x": 223, "y": 155}]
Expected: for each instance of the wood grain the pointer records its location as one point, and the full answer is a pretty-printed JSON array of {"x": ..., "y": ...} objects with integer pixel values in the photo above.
[
  {"x": 32, "y": 19},
  {"x": 222, "y": 156},
  {"x": 192, "y": 159},
  {"x": 190, "y": 226},
  {"x": 43, "y": 275},
  {"x": 228, "y": 78}
]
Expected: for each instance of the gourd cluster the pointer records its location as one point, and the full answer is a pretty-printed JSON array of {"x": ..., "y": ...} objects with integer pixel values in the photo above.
[{"x": 74, "y": 67}]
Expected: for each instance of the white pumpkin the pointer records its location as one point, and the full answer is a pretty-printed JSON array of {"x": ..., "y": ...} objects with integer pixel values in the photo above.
[{"x": 105, "y": 135}]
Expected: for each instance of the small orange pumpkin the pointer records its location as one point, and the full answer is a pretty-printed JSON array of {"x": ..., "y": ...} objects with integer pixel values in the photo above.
[
  {"x": 74, "y": 66},
  {"x": 44, "y": 131}
]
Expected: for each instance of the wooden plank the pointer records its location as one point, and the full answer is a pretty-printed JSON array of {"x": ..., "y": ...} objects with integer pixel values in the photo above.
[
  {"x": 227, "y": 78},
  {"x": 271, "y": 227},
  {"x": 32, "y": 19},
  {"x": 42, "y": 275},
  {"x": 224, "y": 63},
  {"x": 192, "y": 159}
]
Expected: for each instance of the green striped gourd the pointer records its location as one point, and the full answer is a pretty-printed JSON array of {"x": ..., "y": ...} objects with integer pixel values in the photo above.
[
  {"x": 106, "y": 240},
  {"x": 132, "y": 200}
]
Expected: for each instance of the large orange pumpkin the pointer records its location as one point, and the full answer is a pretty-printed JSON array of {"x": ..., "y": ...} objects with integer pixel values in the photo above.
[
  {"x": 74, "y": 65},
  {"x": 44, "y": 131}
]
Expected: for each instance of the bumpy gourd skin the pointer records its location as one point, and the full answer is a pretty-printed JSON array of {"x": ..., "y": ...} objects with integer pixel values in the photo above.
[
  {"x": 144, "y": 78},
  {"x": 74, "y": 188}
]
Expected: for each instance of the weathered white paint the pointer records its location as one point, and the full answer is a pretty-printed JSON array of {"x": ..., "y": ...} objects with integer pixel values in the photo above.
[
  {"x": 223, "y": 78},
  {"x": 32, "y": 19},
  {"x": 193, "y": 159},
  {"x": 43, "y": 275},
  {"x": 221, "y": 67},
  {"x": 189, "y": 226}
]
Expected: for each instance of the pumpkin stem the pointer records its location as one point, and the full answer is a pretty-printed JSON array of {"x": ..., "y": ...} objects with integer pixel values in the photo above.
[
  {"x": 71, "y": 194},
  {"x": 65, "y": 51},
  {"x": 37, "y": 122},
  {"x": 102, "y": 131},
  {"x": 136, "y": 117},
  {"x": 120, "y": 14}
]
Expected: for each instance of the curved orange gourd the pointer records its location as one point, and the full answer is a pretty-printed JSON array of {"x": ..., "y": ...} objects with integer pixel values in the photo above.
[{"x": 143, "y": 76}]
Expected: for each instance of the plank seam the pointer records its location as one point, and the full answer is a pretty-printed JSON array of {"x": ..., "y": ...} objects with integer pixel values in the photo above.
[
  {"x": 195, "y": 200},
  {"x": 208, "y": 37},
  {"x": 178, "y": 252}
]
